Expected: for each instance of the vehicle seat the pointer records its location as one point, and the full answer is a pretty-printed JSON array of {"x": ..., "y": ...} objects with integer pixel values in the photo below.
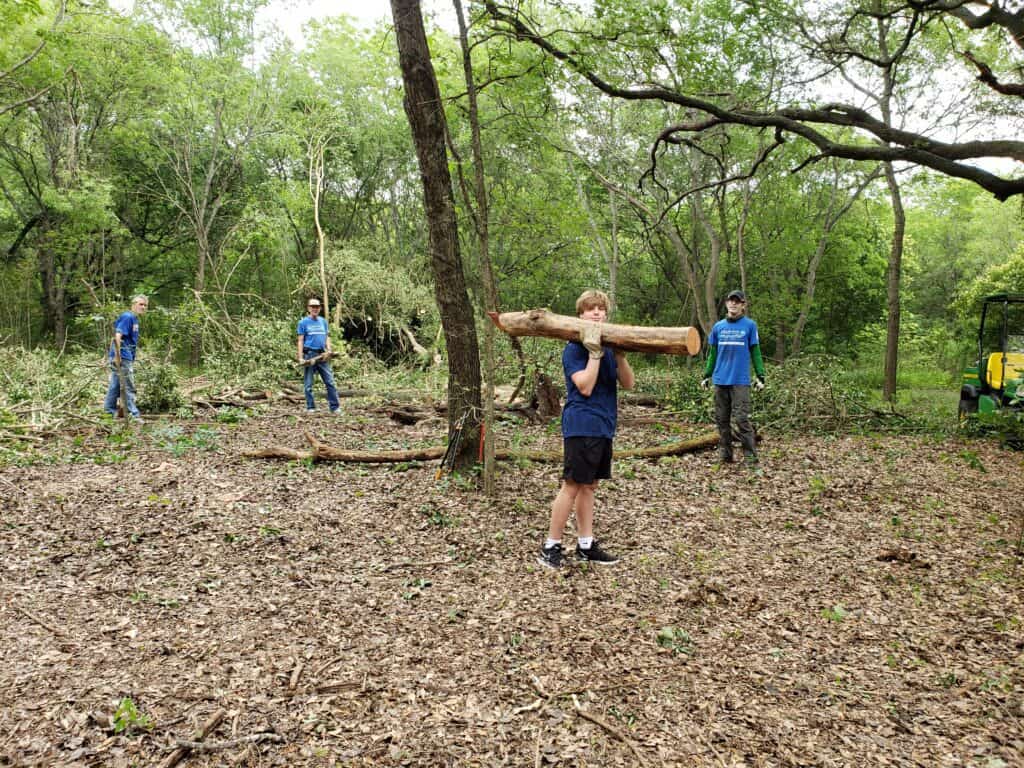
[{"x": 994, "y": 369}]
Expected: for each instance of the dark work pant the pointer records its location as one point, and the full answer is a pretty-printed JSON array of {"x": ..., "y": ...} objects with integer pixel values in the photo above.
[{"x": 732, "y": 406}]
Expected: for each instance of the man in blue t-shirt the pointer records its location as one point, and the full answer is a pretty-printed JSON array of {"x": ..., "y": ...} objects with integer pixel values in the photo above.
[
  {"x": 314, "y": 340},
  {"x": 121, "y": 359},
  {"x": 592, "y": 374},
  {"x": 732, "y": 346}
]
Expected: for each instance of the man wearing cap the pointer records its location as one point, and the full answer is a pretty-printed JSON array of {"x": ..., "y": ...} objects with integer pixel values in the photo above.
[
  {"x": 314, "y": 341},
  {"x": 732, "y": 346}
]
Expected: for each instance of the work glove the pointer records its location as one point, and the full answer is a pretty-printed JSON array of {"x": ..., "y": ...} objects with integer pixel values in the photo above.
[
  {"x": 705, "y": 383},
  {"x": 591, "y": 338},
  {"x": 759, "y": 383}
]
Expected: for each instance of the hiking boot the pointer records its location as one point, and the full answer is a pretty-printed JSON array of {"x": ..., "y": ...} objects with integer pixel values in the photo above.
[
  {"x": 725, "y": 457},
  {"x": 550, "y": 557},
  {"x": 594, "y": 554},
  {"x": 750, "y": 459}
]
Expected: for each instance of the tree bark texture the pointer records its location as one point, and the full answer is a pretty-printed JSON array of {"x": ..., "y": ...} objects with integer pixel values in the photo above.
[
  {"x": 425, "y": 111},
  {"x": 683, "y": 340}
]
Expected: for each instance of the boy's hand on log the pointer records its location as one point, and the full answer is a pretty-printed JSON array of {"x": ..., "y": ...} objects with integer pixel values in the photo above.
[{"x": 591, "y": 338}]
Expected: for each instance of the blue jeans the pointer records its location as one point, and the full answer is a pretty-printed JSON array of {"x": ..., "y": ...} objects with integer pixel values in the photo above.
[
  {"x": 114, "y": 389},
  {"x": 324, "y": 369}
]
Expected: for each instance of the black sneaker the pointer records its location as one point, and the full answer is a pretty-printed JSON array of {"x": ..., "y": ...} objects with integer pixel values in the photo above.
[
  {"x": 551, "y": 557},
  {"x": 725, "y": 458},
  {"x": 595, "y": 554}
]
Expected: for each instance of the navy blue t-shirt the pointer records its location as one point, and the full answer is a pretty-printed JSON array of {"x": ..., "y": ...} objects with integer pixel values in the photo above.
[
  {"x": 593, "y": 416},
  {"x": 127, "y": 324},
  {"x": 733, "y": 340},
  {"x": 314, "y": 332}
]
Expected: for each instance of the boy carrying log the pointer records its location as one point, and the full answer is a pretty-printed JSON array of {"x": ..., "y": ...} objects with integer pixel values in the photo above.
[{"x": 592, "y": 376}]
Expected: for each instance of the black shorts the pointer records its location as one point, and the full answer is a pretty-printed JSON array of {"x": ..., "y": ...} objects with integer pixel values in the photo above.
[{"x": 587, "y": 459}]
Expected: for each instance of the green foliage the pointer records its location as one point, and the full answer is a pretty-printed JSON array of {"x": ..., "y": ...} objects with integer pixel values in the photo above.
[
  {"x": 175, "y": 439},
  {"x": 45, "y": 379},
  {"x": 1006, "y": 277},
  {"x": 1005, "y": 425},
  {"x": 383, "y": 298},
  {"x": 127, "y": 717},
  {"x": 157, "y": 385},
  {"x": 837, "y": 613},
  {"x": 676, "y": 640}
]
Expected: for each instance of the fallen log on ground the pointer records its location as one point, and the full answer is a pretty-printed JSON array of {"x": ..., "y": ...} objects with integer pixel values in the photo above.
[
  {"x": 322, "y": 452},
  {"x": 683, "y": 340}
]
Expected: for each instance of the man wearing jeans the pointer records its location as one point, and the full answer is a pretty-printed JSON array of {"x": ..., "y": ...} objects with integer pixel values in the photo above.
[
  {"x": 313, "y": 341},
  {"x": 733, "y": 345},
  {"x": 122, "y": 359}
]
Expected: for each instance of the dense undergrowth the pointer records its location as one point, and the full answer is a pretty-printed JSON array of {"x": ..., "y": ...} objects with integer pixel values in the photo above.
[{"x": 47, "y": 392}]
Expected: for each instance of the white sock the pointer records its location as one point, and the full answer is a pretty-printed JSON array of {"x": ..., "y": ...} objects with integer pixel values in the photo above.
[
  {"x": 584, "y": 542},
  {"x": 548, "y": 543}
]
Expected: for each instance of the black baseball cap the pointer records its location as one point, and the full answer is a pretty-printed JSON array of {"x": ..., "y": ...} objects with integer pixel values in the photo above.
[{"x": 738, "y": 295}]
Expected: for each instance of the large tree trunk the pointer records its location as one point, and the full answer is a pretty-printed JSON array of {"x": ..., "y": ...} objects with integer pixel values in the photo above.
[{"x": 426, "y": 119}]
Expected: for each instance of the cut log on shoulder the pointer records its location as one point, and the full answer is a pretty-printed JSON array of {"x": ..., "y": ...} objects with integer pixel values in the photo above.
[{"x": 683, "y": 340}]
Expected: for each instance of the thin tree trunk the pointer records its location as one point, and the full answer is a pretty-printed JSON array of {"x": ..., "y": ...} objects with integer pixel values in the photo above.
[
  {"x": 482, "y": 227},
  {"x": 892, "y": 280},
  {"x": 316, "y": 149}
]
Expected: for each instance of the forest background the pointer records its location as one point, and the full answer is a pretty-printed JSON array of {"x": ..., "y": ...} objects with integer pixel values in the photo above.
[{"x": 185, "y": 151}]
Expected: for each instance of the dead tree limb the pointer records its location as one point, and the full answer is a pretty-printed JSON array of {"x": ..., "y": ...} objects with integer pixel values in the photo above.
[
  {"x": 183, "y": 748},
  {"x": 323, "y": 452}
]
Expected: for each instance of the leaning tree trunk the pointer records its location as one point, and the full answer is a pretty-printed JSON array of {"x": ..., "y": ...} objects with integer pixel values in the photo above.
[{"x": 425, "y": 111}]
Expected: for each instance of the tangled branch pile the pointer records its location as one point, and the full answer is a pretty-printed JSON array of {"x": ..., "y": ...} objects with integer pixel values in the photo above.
[
  {"x": 45, "y": 392},
  {"x": 810, "y": 393}
]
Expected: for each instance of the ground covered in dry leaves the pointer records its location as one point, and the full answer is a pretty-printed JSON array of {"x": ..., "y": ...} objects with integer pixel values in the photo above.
[{"x": 854, "y": 602}]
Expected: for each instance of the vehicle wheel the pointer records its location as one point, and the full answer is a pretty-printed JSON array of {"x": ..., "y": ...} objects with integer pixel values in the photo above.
[{"x": 966, "y": 408}]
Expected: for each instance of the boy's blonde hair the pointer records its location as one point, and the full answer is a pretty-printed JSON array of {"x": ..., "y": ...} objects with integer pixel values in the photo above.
[{"x": 592, "y": 298}]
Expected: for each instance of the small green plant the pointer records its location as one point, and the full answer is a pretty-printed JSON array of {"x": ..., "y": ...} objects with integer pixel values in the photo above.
[
  {"x": 269, "y": 531},
  {"x": 417, "y": 587},
  {"x": 231, "y": 415},
  {"x": 676, "y": 640},
  {"x": 818, "y": 486},
  {"x": 173, "y": 438},
  {"x": 127, "y": 716},
  {"x": 626, "y": 718},
  {"x": 836, "y": 613},
  {"x": 972, "y": 460}
]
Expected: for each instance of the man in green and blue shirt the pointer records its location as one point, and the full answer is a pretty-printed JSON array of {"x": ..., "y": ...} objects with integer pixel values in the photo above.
[{"x": 733, "y": 345}]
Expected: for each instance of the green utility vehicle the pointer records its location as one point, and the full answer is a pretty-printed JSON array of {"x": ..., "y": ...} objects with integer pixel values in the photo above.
[{"x": 996, "y": 380}]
